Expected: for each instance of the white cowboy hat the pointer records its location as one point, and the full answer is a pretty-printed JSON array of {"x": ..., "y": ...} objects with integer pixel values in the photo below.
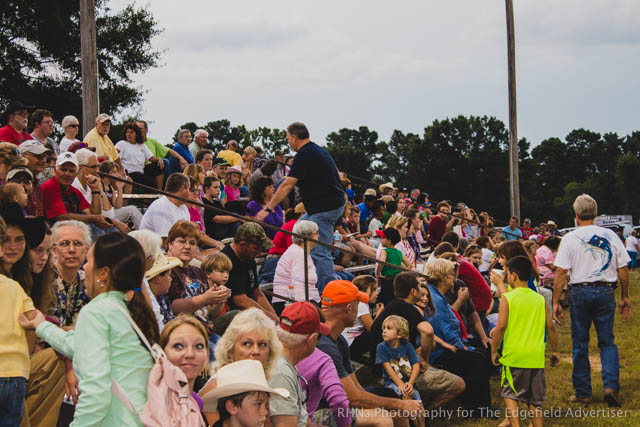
[
  {"x": 162, "y": 264},
  {"x": 239, "y": 377}
]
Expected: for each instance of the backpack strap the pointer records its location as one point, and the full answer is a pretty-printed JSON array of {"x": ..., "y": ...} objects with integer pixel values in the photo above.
[{"x": 116, "y": 388}]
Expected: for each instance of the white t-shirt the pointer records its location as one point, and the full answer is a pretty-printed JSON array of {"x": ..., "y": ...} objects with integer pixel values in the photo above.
[
  {"x": 65, "y": 143},
  {"x": 487, "y": 255},
  {"x": 86, "y": 192},
  {"x": 161, "y": 216},
  {"x": 591, "y": 254},
  {"x": 632, "y": 243},
  {"x": 375, "y": 224},
  {"x": 133, "y": 156},
  {"x": 357, "y": 329}
]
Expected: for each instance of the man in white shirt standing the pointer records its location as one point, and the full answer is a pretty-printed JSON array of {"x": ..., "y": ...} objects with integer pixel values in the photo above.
[
  {"x": 166, "y": 211},
  {"x": 596, "y": 260},
  {"x": 632, "y": 248}
]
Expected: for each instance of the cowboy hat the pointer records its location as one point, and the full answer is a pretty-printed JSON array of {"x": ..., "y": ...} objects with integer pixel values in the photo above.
[
  {"x": 239, "y": 377},
  {"x": 162, "y": 264}
]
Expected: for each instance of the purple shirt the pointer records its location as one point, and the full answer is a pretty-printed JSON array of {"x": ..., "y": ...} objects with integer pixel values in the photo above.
[
  {"x": 274, "y": 218},
  {"x": 322, "y": 378}
]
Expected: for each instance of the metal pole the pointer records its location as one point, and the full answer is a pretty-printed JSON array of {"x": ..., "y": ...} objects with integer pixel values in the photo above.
[
  {"x": 89, "y": 64},
  {"x": 306, "y": 271},
  {"x": 514, "y": 181}
]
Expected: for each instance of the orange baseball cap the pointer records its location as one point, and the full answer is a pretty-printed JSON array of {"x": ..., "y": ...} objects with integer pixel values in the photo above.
[{"x": 340, "y": 292}]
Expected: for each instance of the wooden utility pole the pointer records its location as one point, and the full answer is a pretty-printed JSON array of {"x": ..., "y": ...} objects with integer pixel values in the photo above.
[
  {"x": 89, "y": 65},
  {"x": 514, "y": 180}
]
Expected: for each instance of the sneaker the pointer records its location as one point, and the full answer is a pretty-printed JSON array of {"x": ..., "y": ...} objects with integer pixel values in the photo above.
[
  {"x": 612, "y": 398},
  {"x": 583, "y": 400}
]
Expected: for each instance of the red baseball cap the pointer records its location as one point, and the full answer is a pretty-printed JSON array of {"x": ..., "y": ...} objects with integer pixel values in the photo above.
[
  {"x": 340, "y": 292},
  {"x": 380, "y": 233},
  {"x": 302, "y": 318}
]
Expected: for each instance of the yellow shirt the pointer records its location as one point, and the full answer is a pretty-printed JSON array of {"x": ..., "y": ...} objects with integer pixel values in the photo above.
[
  {"x": 14, "y": 351},
  {"x": 103, "y": 145},
  {"x": 233, "y": 158}
]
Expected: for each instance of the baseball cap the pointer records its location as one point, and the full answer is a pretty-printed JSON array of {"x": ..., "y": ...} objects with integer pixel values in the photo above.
[
  {"x": 33, "y": 147},
  {"x": 220, "y": 161},
  {"x": 252, "y": 232},
  {"x": 302, "y": 318},
  {"x": 234, "y": 169},
  {"x": 15, "y": 171},
  {"x": 340, "y": 292},
  {"x": 102, "y": 118},
  {"x": 67, "y": 157}
]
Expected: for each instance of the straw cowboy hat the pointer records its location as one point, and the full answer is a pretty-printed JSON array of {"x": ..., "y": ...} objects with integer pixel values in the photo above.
[
  {"x": 162, "y": 264},
  {"x": 239, "y": 377}
]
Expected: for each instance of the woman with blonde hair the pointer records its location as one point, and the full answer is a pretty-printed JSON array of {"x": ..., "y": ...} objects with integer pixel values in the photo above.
[
  {"x": 250, "y": 335},
  {"x": 9, "y": 158},
  {"x": 401, "y": 223}
]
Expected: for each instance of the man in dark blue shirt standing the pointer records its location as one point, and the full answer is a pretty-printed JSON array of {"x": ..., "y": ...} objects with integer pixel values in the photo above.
[{"x": 315, "y": 173}]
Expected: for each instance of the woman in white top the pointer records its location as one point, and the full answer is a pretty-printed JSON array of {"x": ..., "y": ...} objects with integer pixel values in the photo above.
[
  {"x": 133, "y": 155},
  {"x": 71, "y": 126},
  {"x": 289, "y": 277}
]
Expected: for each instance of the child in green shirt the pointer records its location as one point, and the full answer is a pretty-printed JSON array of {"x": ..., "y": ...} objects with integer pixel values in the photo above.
[
  {"x": 385, "y": 274},
  {"x": 522, "y": 321}
]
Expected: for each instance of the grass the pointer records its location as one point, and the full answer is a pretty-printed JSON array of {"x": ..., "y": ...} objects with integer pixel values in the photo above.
[{"x": 558, "y": 379}]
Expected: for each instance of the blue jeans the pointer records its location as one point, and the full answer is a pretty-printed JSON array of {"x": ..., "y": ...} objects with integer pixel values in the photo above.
[
  {"x": 322, "y": 255},
  {"x": 634, "y": 259},
  {"x": 12, "y": 393},
  {"x": 595, "y": 304}
]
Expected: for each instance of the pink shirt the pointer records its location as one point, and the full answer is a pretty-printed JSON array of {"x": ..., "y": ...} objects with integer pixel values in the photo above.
[{"x": 545, "y": 259}]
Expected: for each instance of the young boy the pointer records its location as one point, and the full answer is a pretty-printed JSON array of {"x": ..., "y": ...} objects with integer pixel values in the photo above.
[
  {"x": 216, "y": 267},
  {"x": 13, "y": 192},
  {"x": 389, "y": 238},
  {"x": 15, "y": 345},
  {"x": 217, "y": 226},
  {"x": 399, "y": 360},
  {"x": 241, "y": 397},
  {"x": 522, "y": 321},
  {"x": 376, "y": 224}
]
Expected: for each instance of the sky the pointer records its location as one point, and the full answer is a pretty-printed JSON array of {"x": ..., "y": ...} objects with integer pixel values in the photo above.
[{"x": 393, "y": 65}]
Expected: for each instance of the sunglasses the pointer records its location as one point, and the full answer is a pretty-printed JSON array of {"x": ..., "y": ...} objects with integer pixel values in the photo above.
[{"x": 73, "y": 126}]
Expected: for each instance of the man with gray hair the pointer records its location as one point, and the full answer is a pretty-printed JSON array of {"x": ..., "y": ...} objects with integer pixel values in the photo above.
[
  {"x": 596, "y": 260},
  {"x": 298, "y": 331},
  {"x": 182, "y": 148},
  {"x": 200, "y": 139}
]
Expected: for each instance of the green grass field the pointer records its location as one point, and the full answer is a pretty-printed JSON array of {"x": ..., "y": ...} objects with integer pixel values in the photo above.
[{"x": 558, "y": 379}]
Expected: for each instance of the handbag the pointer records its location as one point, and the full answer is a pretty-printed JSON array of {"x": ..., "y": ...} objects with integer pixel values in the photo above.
[{"x": 169, "y": 402}]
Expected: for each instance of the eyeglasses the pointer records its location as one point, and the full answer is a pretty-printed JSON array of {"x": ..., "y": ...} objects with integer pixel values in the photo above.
[
  {"x": 183, "y": 242},
  {"x": 65, "y": 244}
]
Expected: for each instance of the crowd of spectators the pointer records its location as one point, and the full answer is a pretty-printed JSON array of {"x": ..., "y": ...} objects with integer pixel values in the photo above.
[{"x": 409, "y": 290}]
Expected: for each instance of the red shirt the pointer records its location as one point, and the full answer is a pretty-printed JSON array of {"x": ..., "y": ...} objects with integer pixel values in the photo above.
[
  {"x": 479, "y": 290},
  {"x": 9, "y": 134},
  {"x": 436, "y": 230},
  {"x": 59, "y": 200},
  {"x": 282, "y": 241},
  {"x": 35, "y": 199},
  {"x": 526, "y": 232}
]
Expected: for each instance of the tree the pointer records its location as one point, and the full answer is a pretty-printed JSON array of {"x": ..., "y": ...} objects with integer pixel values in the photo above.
[
  {"x": 40, "y": 49},
  {"x": 354, "y": 152}
]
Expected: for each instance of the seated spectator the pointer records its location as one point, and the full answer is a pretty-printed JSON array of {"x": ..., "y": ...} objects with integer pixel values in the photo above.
[
  {"x": 217, "y": 225},
  {"x": 181, "y": 148},
  {"x": 62, "y": 201},
  {"x": 414, "y": 235},
  {"x": 389, "y": 254},
  {"x": 376, "y": 222},
  {"x": 164, "y": 212},
  {"x": 545, "y": 256},
  {"x": 232, "y": 184},
  {"x": 42, "y": 271},
  {"x": 261, "y": 192},
  {"x": 340, "y": 299},
  {"x": 220, "y": 167},
  {"x": 98, "y": 139},
  {"x": 486, "y": 245},
  {"x": 23, "y": 176},
  {"x": 436, "y": 386},
  {"x": 103, "y": 345},
  {"x": 200, "y": 139},
  {"x": 401, "y": 224},
  {"x": 42, "y": 128},
  {"x": 88, "y": 167},
  {"x": 11, "y": 157},
  {"x": 512, "y": 232},
  {"x": 204, "y": 159},
  {"x": 243, "y": 396},
  {"x": 289, "y": 279},
  {"x": 298, "y": 331},
  {"x": 265, "y": 170},
  {"x": 16, "y": 117},
  {"x": 190, "y": 291},
  {"x": 134, "y": 154},
  {"x": 70, "y": 126},
  {"x": 160, "y": 151},
  {"x": 249, "y": 241},
  {"x": 473, "y": 254},
  {"x": 469, "y": 364},
  {"x": 440, "y": 223},
  {"x": 184, "y": 341},
  {"x": 230, "y": 155},
  {"x": 35, "y": 156},
  {"x": 14, "y": 193},
  {"x": 358, "y": 336},
  {"x": 112, "y": 197}
]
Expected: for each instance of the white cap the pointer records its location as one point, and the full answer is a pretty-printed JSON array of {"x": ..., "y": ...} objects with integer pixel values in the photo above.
[
  {"x": 67, "y": 157},
  {"x": 32, "y": 146}
]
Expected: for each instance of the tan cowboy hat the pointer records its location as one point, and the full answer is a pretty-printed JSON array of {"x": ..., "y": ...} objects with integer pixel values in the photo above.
[
  {"x": 386, "y": 185},
  {"x": 239, "y": 377},
  {"x": 162, "y": 264}
]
